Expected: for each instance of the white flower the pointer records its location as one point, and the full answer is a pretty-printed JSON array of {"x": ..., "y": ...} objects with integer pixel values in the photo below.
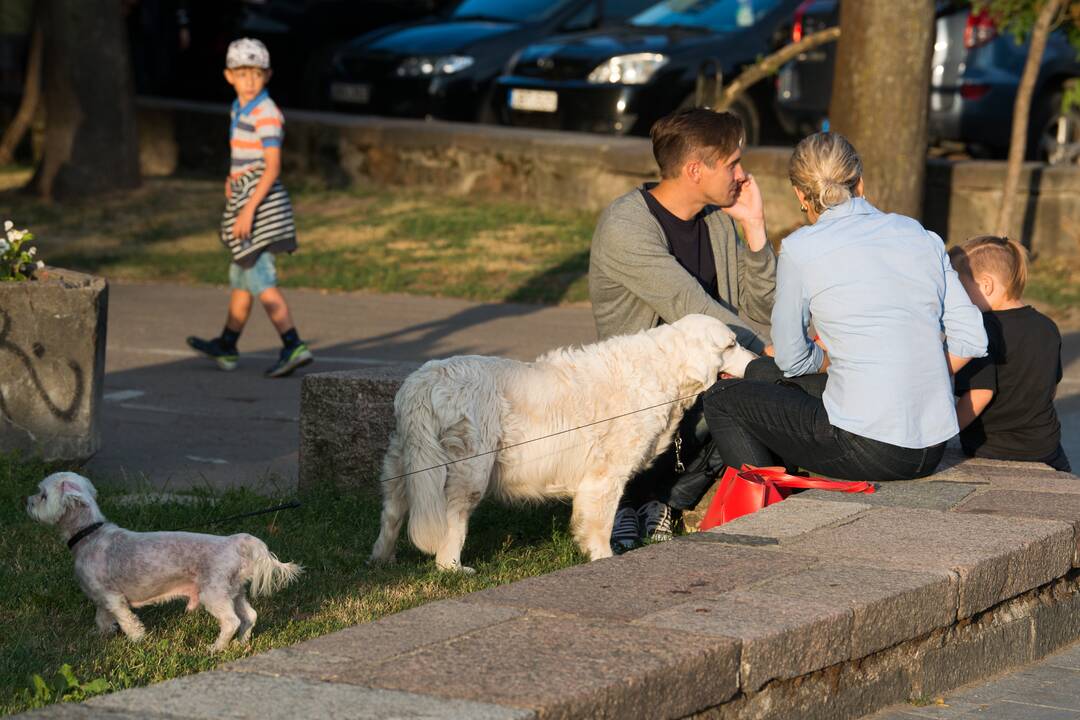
[
  {"x": 16, "y": 235},
  {"x": 32, "y": 252},
  {"x": 40, "y": 265},
  {"x": 8, "y": 225}
]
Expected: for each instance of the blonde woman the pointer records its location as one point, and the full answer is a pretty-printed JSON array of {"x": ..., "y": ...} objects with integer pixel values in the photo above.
[{"x": 881, "y": 294}]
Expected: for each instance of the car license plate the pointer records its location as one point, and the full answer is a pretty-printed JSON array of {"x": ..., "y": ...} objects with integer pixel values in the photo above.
[
  {"x": 356, "y": 93},
  {"x": 534, "y": 100}
]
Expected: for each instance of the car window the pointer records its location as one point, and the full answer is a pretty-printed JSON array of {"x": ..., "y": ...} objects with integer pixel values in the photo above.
[
  {"x": 517, "y": 11},
  {"x": 622, "y": 9},
  {"x": 615, "y": 11},
  {"x": 717, "y": 15}
]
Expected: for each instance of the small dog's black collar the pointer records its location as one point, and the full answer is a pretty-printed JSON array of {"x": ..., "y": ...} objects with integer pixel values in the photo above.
[{"x": 88, "y": 530}]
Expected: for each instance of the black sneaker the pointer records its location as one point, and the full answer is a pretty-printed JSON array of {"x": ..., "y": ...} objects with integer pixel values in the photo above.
[
  {"x": 226, "y": 358},
  {"x": 626, "y": 532},
  {"x": 290, "y": 359},
  {"x": 657, "y": 521}
]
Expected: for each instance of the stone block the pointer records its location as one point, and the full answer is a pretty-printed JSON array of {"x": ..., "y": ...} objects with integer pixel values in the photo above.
[
  {"x": 973, "y": 652},
  {"x": 902, "y": 493},
  {"x": 218, "y": 695},
  {"x": 52, "y": 364},
  {"x": 1057, "y": 619},
  {"x": 346, "y": 418},
  {"x": 1017, "y": 503},
  {"x": 776, "y": 640},
  {"x": 324, "y": 658},
  {"x": 564, "y": 667},
  {"x": 995, "y": 558},
  {"x": 78, "y": 711},
  {"x": 1058, "y": 482},
  {"x": 887, "y": 606},
  {"x": 839, "y": 692},
  {"x": 644, "y": 581},
  {"x": 784, "y": 521}
]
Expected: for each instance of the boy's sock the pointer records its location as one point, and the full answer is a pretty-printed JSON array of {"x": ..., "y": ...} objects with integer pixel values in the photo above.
[
  {"x": 229, "y": 338},
  {"x": 290, "y": 338}
]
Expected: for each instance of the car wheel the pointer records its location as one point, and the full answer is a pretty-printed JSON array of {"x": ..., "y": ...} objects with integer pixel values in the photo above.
[
  {"x": 486, "y": 113},
  {"x": 743, "y": 107},
  {"x": 1057, "y": 138}
]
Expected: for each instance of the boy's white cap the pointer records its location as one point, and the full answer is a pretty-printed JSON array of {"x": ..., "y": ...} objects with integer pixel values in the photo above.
[{"x": 247, "y": 52}]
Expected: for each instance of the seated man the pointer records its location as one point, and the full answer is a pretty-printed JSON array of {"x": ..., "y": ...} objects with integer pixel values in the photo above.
[{"x": 670, "y": 249}]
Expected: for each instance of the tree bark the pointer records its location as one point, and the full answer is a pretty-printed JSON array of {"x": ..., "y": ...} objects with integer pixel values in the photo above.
[
  {"x": 28, "y": 105},
  {"x": 91, "y": 145},
  {"x": 880, "y": 96},
  {"x": 1022, "y": 112},
  {"x": 769, "y": 65}
]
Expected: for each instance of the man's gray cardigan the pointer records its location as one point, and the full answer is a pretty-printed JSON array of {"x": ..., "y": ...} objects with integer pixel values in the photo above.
[{"x": 635, "y": 281}]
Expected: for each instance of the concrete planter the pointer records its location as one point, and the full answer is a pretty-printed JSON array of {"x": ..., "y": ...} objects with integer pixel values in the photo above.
[{"x": 52, "y": 364}]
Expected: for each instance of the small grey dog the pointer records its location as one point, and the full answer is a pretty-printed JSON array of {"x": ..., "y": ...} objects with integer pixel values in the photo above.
[{"x": 120, "y": 569}]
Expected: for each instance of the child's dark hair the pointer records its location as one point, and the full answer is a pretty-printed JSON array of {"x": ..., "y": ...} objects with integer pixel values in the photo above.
[{"x": 1002, "y": 257}]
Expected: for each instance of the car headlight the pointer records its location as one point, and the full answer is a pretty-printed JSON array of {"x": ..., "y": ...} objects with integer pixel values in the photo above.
[
  {"x": 424, "y": 66},
  {"x": 634, "y": 69}
]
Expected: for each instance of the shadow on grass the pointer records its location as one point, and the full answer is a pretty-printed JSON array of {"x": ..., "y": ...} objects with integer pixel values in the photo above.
[
  {"x": 553, "y": 284},
  {"x": 47, "y": 622}
]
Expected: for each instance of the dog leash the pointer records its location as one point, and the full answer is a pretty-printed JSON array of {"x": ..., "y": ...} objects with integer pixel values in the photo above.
[
  {"x": 275, "y": 508},
  {"x": 545, "y": 437}
]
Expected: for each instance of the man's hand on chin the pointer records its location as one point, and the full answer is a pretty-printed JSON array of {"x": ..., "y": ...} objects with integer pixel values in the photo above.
[{"x": 749, "y": 211}]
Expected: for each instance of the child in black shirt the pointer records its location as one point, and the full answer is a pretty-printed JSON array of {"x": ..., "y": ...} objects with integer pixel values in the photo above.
[{"x": 1005, "y": 401}]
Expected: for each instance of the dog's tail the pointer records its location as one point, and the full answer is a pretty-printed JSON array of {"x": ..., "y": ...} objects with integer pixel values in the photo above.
[
  {"x": 267, "y": 573},
  {"x": 425, "y": 461}
]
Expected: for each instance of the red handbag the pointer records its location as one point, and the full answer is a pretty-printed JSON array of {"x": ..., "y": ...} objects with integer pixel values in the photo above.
[{"x": 749, "y": 489}]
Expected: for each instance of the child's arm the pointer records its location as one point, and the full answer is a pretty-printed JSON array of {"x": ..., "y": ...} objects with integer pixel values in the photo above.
[
  {"x": 971, "y": 404},
  {"x": 246, "y": 217}
]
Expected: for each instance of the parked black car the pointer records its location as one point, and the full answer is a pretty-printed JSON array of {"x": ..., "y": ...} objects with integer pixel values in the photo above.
[
  {"x": 621, "y": 80},
  {"x": 444, "y": 66},
  {"x": 975, "y": 72},
  {"x": 178, "y": 46}
]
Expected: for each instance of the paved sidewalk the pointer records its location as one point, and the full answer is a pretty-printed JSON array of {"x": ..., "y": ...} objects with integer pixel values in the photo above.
[
  {"x": 1046, "y": 690},
  {"x": 174, "y": 419}
]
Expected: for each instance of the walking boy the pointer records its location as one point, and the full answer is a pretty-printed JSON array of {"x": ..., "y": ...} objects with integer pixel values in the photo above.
[{"x": 258, "y": 220}]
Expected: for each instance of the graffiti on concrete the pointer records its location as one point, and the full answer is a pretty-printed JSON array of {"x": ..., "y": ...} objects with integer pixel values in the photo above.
[{"x": 26, "y": 364}]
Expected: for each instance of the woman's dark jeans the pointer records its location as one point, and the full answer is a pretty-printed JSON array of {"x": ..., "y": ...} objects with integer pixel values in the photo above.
[{"x": 757, "y": 422}]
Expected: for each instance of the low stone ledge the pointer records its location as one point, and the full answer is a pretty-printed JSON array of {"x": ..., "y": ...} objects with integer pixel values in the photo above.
[
  {"x": 345, "y": 422},
  {"x": 861, "y": 607}
]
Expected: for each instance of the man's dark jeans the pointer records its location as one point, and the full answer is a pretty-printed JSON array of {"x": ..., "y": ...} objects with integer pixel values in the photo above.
[
  {"x": 757, "y": 422},
  {"x": 702, "y": 463},
  {"x": 664, "y": 482}
]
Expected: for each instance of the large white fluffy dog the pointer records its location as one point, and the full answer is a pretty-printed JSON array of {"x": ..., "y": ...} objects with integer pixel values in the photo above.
[{"x": 577, "y": 422}]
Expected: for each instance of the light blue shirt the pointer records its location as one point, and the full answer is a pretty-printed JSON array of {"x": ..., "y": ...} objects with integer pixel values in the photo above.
[{"x": 881, "y": 292}]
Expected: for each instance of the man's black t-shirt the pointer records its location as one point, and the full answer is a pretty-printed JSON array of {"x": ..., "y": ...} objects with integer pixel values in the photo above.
[
  {"x": 1022, "y": 368},
  {"x": 689, "y": 243}
]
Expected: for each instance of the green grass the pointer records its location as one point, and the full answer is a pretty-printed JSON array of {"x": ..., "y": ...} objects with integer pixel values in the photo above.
[
  {"x": 1055, "y": 282},
  {"x": 365, "y": 238},
  {"x": 356, "y": 239},
  {"x": 47, "y": 623}
]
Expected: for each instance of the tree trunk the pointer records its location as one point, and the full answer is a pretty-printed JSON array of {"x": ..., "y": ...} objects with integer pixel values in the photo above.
[
  {"x": 31, "y": 95},
  {"x": 880, "y": 96},
  {"x": 90, "y": 141},
  {"x": 1022, "y": 112}
]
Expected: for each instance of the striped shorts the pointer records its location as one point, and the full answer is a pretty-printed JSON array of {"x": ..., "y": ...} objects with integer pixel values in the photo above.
[{"x": 273, "y": 218}]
